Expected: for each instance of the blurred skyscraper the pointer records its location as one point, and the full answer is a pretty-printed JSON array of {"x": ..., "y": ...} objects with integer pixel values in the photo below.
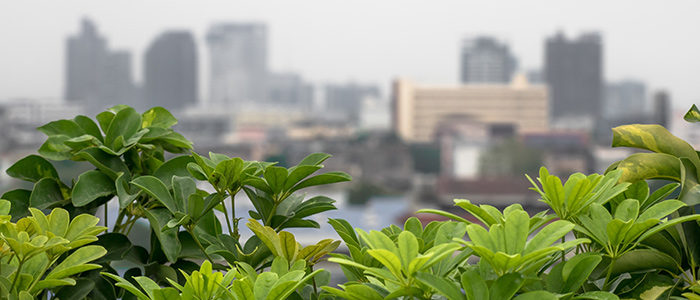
[
  {"x": 624, "y": 99},
  {"x": 291, "y": 91},
  {"x": 344, "y": 101},
  {"x": 238, "y": 63},
  {"x": 170, "y": 71},
  {"x": 486, "y": 60},
  {"x": 96, "y": 77},
  {"x": 574, "y": 72},
  {"x": 662, "y": 108}
]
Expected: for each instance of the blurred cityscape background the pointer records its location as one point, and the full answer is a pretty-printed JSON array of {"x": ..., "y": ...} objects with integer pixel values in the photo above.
[{"x": 416, "y": 124}]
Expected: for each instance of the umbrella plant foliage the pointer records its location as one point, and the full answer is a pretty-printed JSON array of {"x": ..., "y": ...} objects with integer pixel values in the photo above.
[{"x": 603, "y": 236}]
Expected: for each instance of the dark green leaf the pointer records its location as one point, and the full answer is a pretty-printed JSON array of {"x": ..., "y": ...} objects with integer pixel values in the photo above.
[
  {"x": 90, "y": 186},
  {"x": 156, "y": 189},
  {"x": 169, "y": 242},
  {"x": 89, "y": 126},
  {"x": 46, "y": 193},
  {"x": 55, "y": 149},
  {"x": 32, "y": 168},
  {"x": 506, "y": 286},
  {"x": 62, "y": 127},
  {"x": 19, "y": 202},
  {"x": 173, "y": 167},
  {"x": 321, "y": 179},
  {"x": 644, "y": 260}
]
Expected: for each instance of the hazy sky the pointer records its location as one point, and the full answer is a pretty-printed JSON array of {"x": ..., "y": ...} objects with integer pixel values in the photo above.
[{"x": 364, "y": 40}]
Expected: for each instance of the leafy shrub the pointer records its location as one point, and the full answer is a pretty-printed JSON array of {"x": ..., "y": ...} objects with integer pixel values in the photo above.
[{"x": 628, "y": 241}]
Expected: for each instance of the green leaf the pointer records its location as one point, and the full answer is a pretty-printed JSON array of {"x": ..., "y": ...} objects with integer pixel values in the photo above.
[
  {"x": 156, "y": 189},
  {"x": 597, "y": 295},
  {"x": 407, "y": 248},
  {"x": 275, "y": 177},
  {"x": 314, "y": 159},
  {"x": 46, "y": 193},
  {"x": 474, "y": 286},
  {"x": 123, "y": 283},
  {"x": 32, "y": 168},
  {"x": 642, "y": 166},
  {"x": 51, "y": 283},
  {"x": 690, "y": 191},
  {"x": 55, "y": 149},
  {"x": 173, "y": 167},
  {"x": 576, "y": 271},
  {"x": 506, "y": 286},
  {"x": 537, "y": 295},
  {"x": 80, "y": 290},
  {"x": 627, "y": 210},
  {"x": 693, "y": 114},
  {"x": 5, "y": 207},
  {"x": 19, "y": 202},
  {"x": 109, "y": 164},
  {"x": 548, "y": 235},
  {"x": 645, "y": 259},
  {"x": 78, "y": 262},
  {"x": 90, "y": 186},
  {"x": 124, "y": 124},
  {"x": 516, "y": 230},
  {"x": 387, "y": 258},
  {"x": 654, "y": 138},
  {"x": 62, "y": 127},
  {"x": 321, "y": 179},
  {"x": 171, "y": 246},
  {"x": 263, "y": 284},
  {"x": 476, "y": 211},
  {"x": 89, "y": 126},
  {"x": 441, "y": 285},
  {"x": 157, "y": 117},
  {"x": 444, "y": 214}
]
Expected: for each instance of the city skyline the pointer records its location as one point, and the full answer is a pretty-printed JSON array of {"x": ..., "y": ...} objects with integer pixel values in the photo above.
[{"x": 658, "y": 54}]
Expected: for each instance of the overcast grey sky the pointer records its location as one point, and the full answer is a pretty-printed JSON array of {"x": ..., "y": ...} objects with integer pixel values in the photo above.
[{"x": 364, "y": 40}]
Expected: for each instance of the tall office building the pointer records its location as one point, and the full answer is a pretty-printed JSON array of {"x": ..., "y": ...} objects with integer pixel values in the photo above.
[
  {"x": 96, "y": 77},
  {"x": 662, "y": 108},
  {"x": 486, "y": 60},
  {"x": 574, "y": 72},
  {"x": 624, "y": 99},
  {"x": 238, "y": 63},
  {"x": 85, "y": 53},
  {"x": 345, "y": 101},
  {"x": 170, "y": 71},
  {"x": 289, "y": 90}
]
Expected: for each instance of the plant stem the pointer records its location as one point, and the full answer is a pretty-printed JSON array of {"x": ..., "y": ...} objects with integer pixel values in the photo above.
[
  {"x": 272, "y": 213},
  {"x": 607, "y": 276},
  {"x": 563, "y": 252},
  {"x": 17, "y": 273},
  {"x": 199, "y": 244},
  {"x": 38, "y": 278},
  {"x": 117, "y": 223},
  {"x": 228, "y": 221},
  {"x": 233, "y": 214},
  {"x": 313, "y": 279}
]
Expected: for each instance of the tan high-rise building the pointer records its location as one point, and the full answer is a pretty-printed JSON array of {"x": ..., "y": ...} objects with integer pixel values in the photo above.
[{"x": 420, "y": 109}]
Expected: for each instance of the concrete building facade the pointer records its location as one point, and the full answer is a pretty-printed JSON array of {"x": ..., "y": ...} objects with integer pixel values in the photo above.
[{"x": 420, "y": 109}]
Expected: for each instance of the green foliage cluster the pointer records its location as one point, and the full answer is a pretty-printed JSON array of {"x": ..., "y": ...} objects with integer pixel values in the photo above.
[{"x": 609, "y": 236}]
